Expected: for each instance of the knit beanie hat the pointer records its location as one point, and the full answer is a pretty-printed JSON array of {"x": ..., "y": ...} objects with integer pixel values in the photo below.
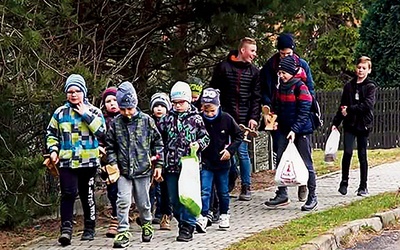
[
  {"x": 77, "y": 81},
  {"x": 126, "y": 95},
  {"x": 211, "y": 96},
  {"x": 181, "y": 91},
  {"x": 196, "y": 85},
  {"x": 107, "y": 92},
  {"x": 288, "y": 64},
  {"x": 160, "y": 99},
  {"x": 286, "y": 41}
]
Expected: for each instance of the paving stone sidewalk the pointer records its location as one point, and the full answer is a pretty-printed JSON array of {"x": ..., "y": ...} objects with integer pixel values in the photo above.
[{"x": 248, "y": 218}]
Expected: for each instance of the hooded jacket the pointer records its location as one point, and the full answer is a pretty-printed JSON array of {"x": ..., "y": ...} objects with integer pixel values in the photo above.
[
  {"x": 224, "y": 133},
  {"x": 178, "y": 131},
  {"x": 360, "y": 114},
  {"x": 239, "y": 86},
  {"x": 131, "y": 142}
]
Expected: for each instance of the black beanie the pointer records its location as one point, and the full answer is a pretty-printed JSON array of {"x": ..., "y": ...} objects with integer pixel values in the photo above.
[
  {"x": 286, "y": 41},
  {"x": 288, "y": 64}
]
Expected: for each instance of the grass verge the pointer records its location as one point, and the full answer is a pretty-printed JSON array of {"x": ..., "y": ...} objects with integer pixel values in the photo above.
[
  {"x": 375, "y": 157},
  {"x": 297, "y": 232}
]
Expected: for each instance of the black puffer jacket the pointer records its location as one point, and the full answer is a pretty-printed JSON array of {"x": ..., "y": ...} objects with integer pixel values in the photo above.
[
  {"x": 239, "y": 85},
  {"x": 360, "y": 114}
]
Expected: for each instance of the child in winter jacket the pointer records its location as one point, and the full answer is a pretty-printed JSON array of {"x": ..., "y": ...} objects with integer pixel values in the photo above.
[
  {"x": 72, "y": 140},
  {"x": 356, "y": 111},
  {"x": 225, "y": 138},
  {"x": 292, "y": 104},
  {"x": 182, "y": 129},
  {"x": 131, "y": 141}
]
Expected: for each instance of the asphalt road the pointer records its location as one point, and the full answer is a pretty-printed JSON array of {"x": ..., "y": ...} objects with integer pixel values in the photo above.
[{"x": 388, "y": 240}]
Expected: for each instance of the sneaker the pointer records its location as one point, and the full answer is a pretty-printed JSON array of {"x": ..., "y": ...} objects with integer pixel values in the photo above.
[
  {"x": 147, "y": 232},
  {"x": 343, "y": 187},
  {"x": 362, "y": 192},
  {"x": 245, "y": 194},
  {"x": 201, "y": 224},
  {"x": 210, "y": 218},
  {"x": 185, "y": 233},
  {"x": 215, "y": 217},
  {"x": 311, "y": 203},
  {"x": 278, "y": 201},
  {"x": 224, "y": 222},
  {"x": 165, "y": 223},
  {"x": 112, "y": 228},
  {"x": 121, "y": 240},
  {"x": 88, "y": 234},
  {"x": 66, "y": 233},
  {"x": 302, "y": 193}
]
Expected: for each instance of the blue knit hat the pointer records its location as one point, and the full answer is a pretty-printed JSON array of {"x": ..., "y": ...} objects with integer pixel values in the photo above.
[
  {"x": 288, "y": 64},
  {"x": 286, "y": 41},
  {"x": 126, "y": 95},
  {"x": 210, "y": 96},
  {"x": 77, "y": 81}
]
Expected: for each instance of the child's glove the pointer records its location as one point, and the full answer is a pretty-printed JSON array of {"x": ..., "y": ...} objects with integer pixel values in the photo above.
[{"x": 111, "y": 173}]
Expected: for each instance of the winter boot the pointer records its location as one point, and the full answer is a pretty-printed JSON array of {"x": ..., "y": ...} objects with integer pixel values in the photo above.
[
  {"x": 302, "y": 193},
  {"x": 89, "y": 230},
  {"x": 185, "y": 233},
  {"x": 343, "y": 187},
  {"x": 66, "y": 233},
  {"x": 281, "y": 199},
  {"x": 245, "y": 194},
  {"x": 112, "y": 228}
]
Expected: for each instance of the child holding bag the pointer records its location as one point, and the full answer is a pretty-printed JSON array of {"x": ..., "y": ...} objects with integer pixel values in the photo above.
[
  {"x": 356, "y": 112},
  {"x": 292, "y": 104},
  {"x": 181, "y": 129}
]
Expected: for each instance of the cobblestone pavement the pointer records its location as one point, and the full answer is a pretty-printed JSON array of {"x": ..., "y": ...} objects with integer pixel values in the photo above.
[{"x": 248, "y": 218}]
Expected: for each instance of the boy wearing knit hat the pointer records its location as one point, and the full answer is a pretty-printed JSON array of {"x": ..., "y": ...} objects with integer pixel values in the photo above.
[
  {"x": 109, "y": 100},
  {"x": 196, "y": 86},
  {"x": 182, "y": 129},
  {"x": 269, "y": 82},
  {"x": 159, "y": 106},
  {"x": 72, "y": 140},
  {"x": 225, "y": 138},
  {"x": 131, "y": 141},
  {"x": 292, "y": 104}
]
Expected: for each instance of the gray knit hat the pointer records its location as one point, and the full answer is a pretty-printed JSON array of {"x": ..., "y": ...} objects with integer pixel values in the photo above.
[
  {"x": 77, "y": 81},
  {"x": 126, "y": 95}
]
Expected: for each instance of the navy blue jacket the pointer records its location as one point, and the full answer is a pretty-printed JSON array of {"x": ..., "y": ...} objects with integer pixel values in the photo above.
[{"x": 224, "y": 133}]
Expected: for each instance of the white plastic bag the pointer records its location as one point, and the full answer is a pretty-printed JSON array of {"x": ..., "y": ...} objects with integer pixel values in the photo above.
[
  {"x": 189, "y": 187},
  {"x": 291, "y": 170},
  {"x": 332, "y": 146}
]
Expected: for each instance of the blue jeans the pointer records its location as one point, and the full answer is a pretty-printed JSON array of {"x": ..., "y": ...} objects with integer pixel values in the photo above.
[
  {"x": 245, "y": 164},
  {"x": 303, "y": 145},
  {"x": 221, "y": 179},
  {"x": 181, "y": 214}
]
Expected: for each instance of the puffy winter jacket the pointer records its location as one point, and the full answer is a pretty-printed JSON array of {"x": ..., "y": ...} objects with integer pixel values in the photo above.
[{"x": 239, "y": 85}]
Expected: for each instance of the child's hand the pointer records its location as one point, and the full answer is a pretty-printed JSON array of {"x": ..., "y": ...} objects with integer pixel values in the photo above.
[
  {"x": 225, "y": 155},
  {"x": 81, "y": 108},
  {"x": 344, "y": 110},
  {"x": 334, "y": 127},
  {"x": 157, "y": 175},
  {"x": 291, "y": 136},
  {"x": 195, "y": 146},
  {"x": 54, "y": 157}
]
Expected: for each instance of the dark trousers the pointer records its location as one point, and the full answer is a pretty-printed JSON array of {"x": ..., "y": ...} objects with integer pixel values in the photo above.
[
  {"x": 112, "y": 194},
  {"x": 78, "y": 181},
  {"x": 159, "y": 199},
  {"x": 348, "y": 142},
  {"x": 303, "y": 145}
]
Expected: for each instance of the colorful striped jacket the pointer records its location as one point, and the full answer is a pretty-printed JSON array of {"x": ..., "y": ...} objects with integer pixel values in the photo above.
[{"x": 74, "y": 137}]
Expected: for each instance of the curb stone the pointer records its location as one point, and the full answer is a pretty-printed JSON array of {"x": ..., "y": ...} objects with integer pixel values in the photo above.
[{"x": 331, "y": 240}]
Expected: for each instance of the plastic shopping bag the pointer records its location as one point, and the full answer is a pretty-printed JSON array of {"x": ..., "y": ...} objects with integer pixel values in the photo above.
[
  {"x": 189, "y": 184},
  {"x": 291, "y": 170},
  {"x": 332, "y": 146}
]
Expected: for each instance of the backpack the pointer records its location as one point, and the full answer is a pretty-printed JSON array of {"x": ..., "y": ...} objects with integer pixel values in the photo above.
[{"x": 315, "y": 112}]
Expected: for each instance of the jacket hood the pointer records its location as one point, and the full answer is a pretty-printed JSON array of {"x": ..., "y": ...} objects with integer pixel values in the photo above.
[{"x": 232, "y": 58}]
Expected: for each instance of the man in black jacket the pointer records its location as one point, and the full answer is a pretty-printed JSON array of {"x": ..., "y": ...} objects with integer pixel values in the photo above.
[{"x": 238, "y": 81}]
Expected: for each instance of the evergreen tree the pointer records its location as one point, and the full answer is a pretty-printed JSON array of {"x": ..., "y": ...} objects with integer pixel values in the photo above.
[{"x": 380, "y": 40}]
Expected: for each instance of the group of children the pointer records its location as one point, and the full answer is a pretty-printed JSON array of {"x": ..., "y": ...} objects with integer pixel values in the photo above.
[
  {"x": 143, "y": 152},
  {"x": 143, "y": 155}
]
